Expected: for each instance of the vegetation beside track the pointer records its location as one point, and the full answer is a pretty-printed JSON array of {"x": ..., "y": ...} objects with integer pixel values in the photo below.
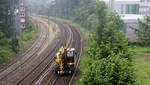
[
  {"x": 28, "y": 36},
  {"x": 6, "y": 51},
  {"x": 8, "y": 39},
  {"x": 108, "y": 59},
  {"x": 20, "y": 43}
]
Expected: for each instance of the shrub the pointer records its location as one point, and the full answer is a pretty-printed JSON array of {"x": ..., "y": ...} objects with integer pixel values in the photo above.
[
  {"x": 5, "y": 56},
  {"x": 112, "y": 70}
]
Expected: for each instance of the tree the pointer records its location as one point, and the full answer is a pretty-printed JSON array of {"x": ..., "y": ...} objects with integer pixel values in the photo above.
[
  {"x": 7, "y": 30},
  {"x": 108, "y": 58},
  {"x": 80, "y": 11},
  {"x": 101, "y": 13},
  {"x": 143, "y": 32},
  {"x": 113, "y": 70},
  {"x": 85, "y": 14}
]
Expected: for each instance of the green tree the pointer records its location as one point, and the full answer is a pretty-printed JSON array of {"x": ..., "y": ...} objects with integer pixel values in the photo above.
[
  {"x": 143, "y": 32},
  {"x": 102, "y": 13},
  {"x": 85, "y": 14},
  {"x": 107, "y": 64},
  {"x": 80, "y": 11},
  {"x": 112, "y": 70},
  {"x": 108, "y": 57},
  {"x": 7, "y": 30}
]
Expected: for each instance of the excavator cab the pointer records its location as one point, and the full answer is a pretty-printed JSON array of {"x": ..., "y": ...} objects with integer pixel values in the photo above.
[{"x": 65, "y": 61}]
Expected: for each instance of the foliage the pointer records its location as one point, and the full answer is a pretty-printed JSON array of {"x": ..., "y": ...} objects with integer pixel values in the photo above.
[
  {"x": 4, "y": 41},
  {"x": 112, "y": 70},
  {"x": 8, "y": 42},
  {"x": 38, "y": 6},
  {"x": 143, "y": 32},
  {"x": 80, "y": 11},
  {"x": 7, "y": 19},
  {"x": 5, "y": 56},
  {"x": 85, "y": 14},
  {"x": 9, "y": 47},
  {"x": 27, "y": 36},
  {"x": 109, "y": 28},
  {"x": 109, "y": 58},
  {"x": 14, "y": 45}
]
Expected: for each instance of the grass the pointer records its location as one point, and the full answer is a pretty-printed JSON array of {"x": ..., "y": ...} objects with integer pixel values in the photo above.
[
  {"x": 142, "y": 65},
  {"x": 142, "y": 51}
]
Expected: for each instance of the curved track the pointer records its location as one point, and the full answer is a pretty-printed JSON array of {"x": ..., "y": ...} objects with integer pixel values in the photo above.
[
  {"x": 30, "y": 59},
  {"x": 68, "y": 80},
  {"x": 48, "y": 77},
  {"x": 36, "y": 67}
]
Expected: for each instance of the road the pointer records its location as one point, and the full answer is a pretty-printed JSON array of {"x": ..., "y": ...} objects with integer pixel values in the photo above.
[{"x": 36, "y": 67}]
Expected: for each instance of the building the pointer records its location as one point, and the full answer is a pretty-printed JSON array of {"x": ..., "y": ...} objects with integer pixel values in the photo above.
[
  {"x": 144, "y": 7},
  {"x": 129, "y": 6},
  {"x": 124, "y": 6},
  {"x": 131, "y": 21},
  {"x": 130, "y": 11}
]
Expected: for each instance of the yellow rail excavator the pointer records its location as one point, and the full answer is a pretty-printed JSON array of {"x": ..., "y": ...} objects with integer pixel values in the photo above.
[{"x": 65, "y": 61}]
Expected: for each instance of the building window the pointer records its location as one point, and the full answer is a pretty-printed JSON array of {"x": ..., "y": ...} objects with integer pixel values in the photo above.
[{"x": 132, "y": 9}]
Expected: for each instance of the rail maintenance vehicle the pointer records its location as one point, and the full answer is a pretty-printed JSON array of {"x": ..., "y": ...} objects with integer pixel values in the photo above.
[{"x": 65, "y": 61}]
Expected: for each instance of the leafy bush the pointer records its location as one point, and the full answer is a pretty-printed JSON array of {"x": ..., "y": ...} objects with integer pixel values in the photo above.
[
  {"x": 112, "y": 70},
  {"x": 5, "y": 41},
  {"x": 5, "y": 56}
]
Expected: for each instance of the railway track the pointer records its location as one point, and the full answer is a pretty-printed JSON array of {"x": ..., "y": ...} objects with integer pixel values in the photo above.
[
  {"x": 27, "y": 55},
  {"x": 68, "y": 80},
  {"x": 48, "y": 77},
  {"x": 17, "y": 70},
  {"x": 32, "y": 47},
  {"x": 36, "y": 67},
  {"x": 47, "y": 62}
]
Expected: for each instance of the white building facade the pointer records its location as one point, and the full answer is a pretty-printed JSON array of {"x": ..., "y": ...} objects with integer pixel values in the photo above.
[
  {"x": 124, "y": 6},
  {"x": 129, "y": 6},
  {"x": 130, "y": 11},
  {"x": 144, "y": 7}
]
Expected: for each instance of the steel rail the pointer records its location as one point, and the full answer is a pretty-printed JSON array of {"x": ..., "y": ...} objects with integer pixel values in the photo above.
[
  {"x": 34, "y": 53},
  {"x": 28, "y": 76}
]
